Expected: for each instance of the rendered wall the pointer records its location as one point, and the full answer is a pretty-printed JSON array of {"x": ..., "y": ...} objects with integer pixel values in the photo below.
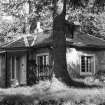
[{"x": 73, "y": 60}]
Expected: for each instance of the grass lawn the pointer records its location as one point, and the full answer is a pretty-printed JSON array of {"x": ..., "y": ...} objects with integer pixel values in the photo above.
[{"x": 57, "y": 91}]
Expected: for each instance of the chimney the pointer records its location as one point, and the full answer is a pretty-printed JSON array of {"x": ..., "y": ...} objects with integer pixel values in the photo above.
[
  {"x": 38, "y": 28},
  {"x": 77, "y": 29},
  {"x": 38, "y": 25}
]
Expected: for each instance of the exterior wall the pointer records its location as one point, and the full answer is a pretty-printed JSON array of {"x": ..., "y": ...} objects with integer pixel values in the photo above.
[
  {"x": 100, "y": 61},
  {"x": 2, "y": 70},
  {"x": 73, "y": 60},
  {"x": 32, "y": 54}
]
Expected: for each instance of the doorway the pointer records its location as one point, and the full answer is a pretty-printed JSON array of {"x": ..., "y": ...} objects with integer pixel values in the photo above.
[{"x": 17, "y": 67}]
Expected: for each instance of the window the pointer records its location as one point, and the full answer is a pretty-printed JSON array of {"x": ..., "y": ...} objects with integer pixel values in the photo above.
[
  {"x": 42, "y": 61},
  {"x": 42, "y": 71},
  {"x": 87, "y": 64}
]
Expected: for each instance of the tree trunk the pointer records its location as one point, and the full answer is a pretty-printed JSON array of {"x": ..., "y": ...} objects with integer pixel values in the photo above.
[
  {"x": 28, "y": 11},
  {"x": 59, "y": 40}
]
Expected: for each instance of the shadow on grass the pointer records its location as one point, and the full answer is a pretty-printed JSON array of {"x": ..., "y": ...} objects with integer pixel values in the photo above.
[
  {"x": 16, "y": 100},
  {"x": 25, "y": 100},
  {"x": 32, "y": 100},
  {"x": 77, "y": 84}
]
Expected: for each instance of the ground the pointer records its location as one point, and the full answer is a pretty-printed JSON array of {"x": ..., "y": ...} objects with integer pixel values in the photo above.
[{"x": 56, "y": 91}]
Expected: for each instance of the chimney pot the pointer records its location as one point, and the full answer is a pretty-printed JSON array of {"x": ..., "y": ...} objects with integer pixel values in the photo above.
[{"x": 38, "y": 28}]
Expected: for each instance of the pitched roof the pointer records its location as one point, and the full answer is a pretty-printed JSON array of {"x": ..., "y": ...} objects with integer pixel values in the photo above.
[
  {"x": 21, "y": 41},
  {"x": 87, "y": 40},
  {"x": 80, "y": 40},
  {"x": 28, "y": 40}
]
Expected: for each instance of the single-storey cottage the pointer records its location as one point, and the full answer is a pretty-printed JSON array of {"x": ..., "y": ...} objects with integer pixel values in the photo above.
[{"x": 29, "y": 58}]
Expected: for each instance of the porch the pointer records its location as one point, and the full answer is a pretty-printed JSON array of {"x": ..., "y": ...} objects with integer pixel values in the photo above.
[
  {"x": 26, "y": 67},
  {"x": 26, "y": 60}
]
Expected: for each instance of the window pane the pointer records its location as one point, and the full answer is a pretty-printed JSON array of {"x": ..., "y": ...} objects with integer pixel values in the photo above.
[
  {"x": 89, "y": 64},
  {"x": 13, "y": 67},
  {"x": 83, "y": 63},
  {"x": 44, "y": 60},
  {"x": 41, "y": 60},
  {"x": 47, "y": 60},
  {"x": 40, "y": 63}
]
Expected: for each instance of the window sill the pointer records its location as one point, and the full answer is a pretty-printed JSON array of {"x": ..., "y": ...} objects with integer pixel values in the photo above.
[{"x": 86, "y": 73}]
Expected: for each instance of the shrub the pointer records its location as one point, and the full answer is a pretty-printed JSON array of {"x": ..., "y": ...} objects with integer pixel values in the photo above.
[
  {"x": 100, "y": 75},
  {"x": 89, "y": 80}
]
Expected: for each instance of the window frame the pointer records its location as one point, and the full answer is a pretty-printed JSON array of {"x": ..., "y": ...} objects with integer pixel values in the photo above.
[
  {"x": 92, "y": 71},
  {"x": 42, "y": 54},
  {"x": 40, "y": 73}
]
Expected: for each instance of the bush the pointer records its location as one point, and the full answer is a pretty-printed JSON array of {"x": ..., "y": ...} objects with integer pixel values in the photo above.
[
  {"x": 89, "y": 80},
  {"x": 100, "y": 75}
]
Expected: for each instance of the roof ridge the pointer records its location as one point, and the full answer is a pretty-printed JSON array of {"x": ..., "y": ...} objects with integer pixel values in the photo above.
[{"x": 96, "y": 37}]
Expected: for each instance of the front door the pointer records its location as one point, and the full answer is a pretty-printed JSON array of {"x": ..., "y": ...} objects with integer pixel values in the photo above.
[{"x": 22, "y": 70}]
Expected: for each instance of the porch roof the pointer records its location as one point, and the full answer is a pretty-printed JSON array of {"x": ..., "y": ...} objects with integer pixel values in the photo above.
[
  {"x": 29, "y": 40},
  {"x": 21, "y": 41}
]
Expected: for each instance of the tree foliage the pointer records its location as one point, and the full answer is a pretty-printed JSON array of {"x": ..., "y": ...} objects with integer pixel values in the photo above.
[
  {"x": 92, "y": 20},
  {"x": 90, "y": 13},
  {"x": 25, "y": 13}
]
